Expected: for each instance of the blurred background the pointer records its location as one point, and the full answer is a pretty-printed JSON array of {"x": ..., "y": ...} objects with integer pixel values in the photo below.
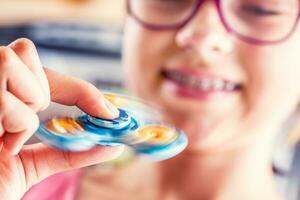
[{"x": 82, "y": 38}]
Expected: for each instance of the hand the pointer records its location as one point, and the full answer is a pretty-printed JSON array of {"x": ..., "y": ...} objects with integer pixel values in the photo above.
[{"x": 25, "y": 89}]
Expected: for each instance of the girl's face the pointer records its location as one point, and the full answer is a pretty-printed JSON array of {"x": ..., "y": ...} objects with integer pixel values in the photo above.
[{"x": 218, "y": 88}]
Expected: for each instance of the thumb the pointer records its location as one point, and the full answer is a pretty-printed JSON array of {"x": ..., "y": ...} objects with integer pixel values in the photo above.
[{"x": 40, "y": 161}]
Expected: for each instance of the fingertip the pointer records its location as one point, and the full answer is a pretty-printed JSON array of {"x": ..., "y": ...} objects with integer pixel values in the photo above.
[
  {"x": 23, "y": 44},
  {"x": 91, "y": 100},
  {"x": 112, "y": 110},
  {"x": 96, "y": 105}
]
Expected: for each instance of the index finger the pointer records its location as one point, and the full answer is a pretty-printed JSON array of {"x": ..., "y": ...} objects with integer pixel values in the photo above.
[{"x": 71, "y": 91}]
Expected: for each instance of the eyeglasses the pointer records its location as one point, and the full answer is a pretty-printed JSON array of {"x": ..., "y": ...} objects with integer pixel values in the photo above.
[{"x": 255, "y": 21}]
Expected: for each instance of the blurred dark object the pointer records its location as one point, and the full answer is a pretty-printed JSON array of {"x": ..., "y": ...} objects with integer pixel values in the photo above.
[{"x": 82, "y": 38}]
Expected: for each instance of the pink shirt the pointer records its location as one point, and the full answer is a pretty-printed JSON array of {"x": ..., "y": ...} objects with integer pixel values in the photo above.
[{"x": 61, "y": 186}]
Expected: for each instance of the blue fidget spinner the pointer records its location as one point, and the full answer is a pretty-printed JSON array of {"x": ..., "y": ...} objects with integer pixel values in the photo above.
[
  {"x": 137, "y": 127},
  {"x": 122, "y": 121}
]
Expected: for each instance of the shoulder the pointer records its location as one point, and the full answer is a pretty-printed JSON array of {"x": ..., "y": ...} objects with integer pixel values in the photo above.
[{"x": 286, "y": 165}]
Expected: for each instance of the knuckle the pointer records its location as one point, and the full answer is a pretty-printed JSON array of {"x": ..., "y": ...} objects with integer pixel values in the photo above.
[
  {"x": 42, "y": 102},
  {"x": 5, "y": 58},
  {"x": 45, "y": 104},
  {"x": 3, "y": 101},
  {"x": 32, "y": 123},
  {"x": 24, "y": 44},
  {"x": 8, "y": 113},
  {"x": 1, "y": 111},
  {"x": 39, "y": 103}
]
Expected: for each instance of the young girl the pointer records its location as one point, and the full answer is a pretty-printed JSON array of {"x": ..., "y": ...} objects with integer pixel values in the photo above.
[{"x": 225, "y": 71}]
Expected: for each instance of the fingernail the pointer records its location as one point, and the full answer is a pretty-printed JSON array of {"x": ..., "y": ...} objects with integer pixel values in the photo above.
[{"x": 112, "y": 108}]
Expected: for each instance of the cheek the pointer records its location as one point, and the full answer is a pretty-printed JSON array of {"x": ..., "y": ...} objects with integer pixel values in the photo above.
[
  {"x": 273, "y": 74},
  {"x": 143, "y": 57}
]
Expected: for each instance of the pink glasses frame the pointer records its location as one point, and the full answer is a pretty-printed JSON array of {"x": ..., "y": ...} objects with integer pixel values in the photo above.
[{"x": 197, "y": 7}]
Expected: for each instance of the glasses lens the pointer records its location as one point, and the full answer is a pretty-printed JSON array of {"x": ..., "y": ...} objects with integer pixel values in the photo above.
[
  {"x": 264, "y": 20},
  {"x": 162, "y": 12}
]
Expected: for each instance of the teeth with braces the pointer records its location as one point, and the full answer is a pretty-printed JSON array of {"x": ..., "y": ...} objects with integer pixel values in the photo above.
[
  {"x": 202, "y": 84},
  {"x": 230, "y": 86},
  {"x": 218, "y": 85}
]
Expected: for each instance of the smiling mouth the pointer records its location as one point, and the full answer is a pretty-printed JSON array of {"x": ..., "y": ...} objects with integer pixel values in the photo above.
[{"x": 201, "y": 83}]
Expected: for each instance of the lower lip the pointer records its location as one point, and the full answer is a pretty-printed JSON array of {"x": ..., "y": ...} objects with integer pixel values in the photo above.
[{"x": 184, "y": 91}]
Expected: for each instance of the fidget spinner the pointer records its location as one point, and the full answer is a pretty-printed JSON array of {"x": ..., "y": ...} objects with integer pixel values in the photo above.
[{"x": 137, "y": 126}]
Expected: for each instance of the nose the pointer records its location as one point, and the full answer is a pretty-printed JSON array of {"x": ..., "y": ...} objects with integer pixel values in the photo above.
[{"x": 205, "y": 34}]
